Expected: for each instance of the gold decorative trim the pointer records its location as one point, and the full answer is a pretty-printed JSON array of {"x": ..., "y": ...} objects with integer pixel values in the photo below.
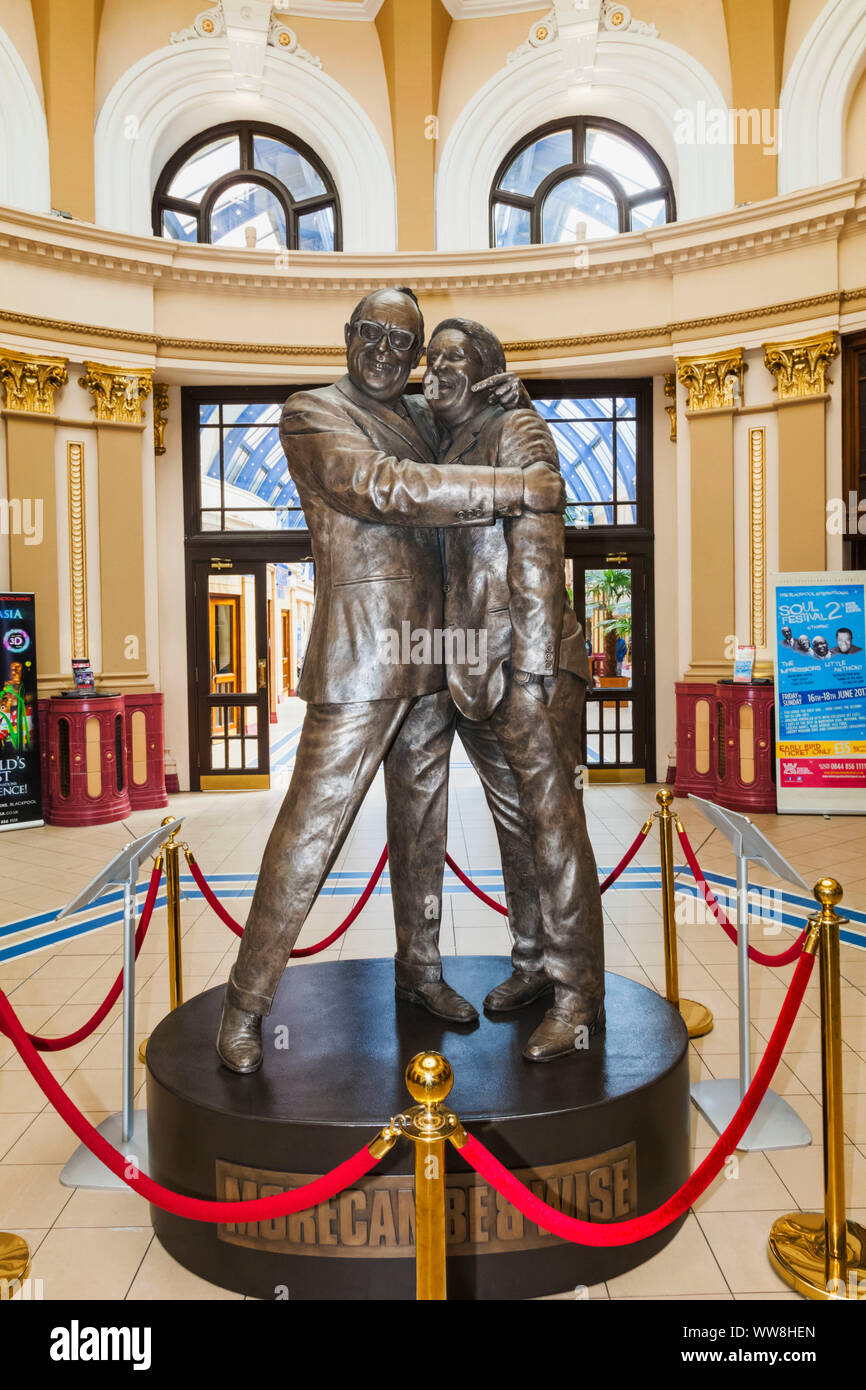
[
  {"x": 671, "y": 393},
  {"x": 663, "y": 333},
  {"x": 30, "y": 382},
  {"x": 118, "y": 394},
  {"x": 77, "y": 547},
  {"x": 800, "y": 365},
  {"x": 235, "y": 782},
  {"x": 757, "y": 535},
  {"x": 713, "y": 380},
  {"x": 160, "y": 416}
]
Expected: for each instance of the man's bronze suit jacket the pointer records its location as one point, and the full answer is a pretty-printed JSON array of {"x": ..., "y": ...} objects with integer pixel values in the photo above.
[
  {"x": 520, "y": 602},
  {"x": 372, "y": 513}
]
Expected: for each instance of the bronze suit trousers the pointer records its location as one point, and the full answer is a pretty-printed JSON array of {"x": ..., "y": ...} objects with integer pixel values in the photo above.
[{"x": 525, "y": 754}]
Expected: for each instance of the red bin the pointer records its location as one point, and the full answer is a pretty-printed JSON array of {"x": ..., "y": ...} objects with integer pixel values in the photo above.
[{"x": 86, "y": 760}]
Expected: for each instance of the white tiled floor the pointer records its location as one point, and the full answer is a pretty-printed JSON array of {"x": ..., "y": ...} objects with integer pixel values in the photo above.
[{"x": 100, "y": 1244}]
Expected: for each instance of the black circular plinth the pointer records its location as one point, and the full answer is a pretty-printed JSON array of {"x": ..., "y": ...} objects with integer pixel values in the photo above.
[{"x": 605, "y": 1133}]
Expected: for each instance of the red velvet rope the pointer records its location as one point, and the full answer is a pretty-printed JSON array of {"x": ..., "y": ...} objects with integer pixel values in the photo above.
[
  {"x": 193, "y": 1208},
  {"x": 639, "y": 1227},
  {"x": 108, "y": 1003},
  {"x": 473, "y": 887},
  {"x": 759, "y": 957},
  {"x": 213, "y": 901},
  {"x": 626, "y": 859}
]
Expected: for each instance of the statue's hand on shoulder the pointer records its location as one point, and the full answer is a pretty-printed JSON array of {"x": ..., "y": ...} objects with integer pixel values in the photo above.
[
  {"x": 506, "y": 390},
  {"x": 543, "y": 489}
]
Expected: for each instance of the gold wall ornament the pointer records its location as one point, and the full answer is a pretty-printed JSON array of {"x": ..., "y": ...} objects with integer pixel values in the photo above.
[
  {"x": 30, "y": 382},
  {"x": 800, "y": 366},
  {"x": 757, "y": 535},
  {"x": 77, "y": 546},
  {"x": 671, "y": 393},
  {"x": 118, "y": 394},
  {"x": 713, "y": 380},
  {"x": 160, "y": 415}
]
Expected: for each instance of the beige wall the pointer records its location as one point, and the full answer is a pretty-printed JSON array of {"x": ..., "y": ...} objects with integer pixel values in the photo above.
[
  {"x": 698, "y": 29},
  {"x": 131, "y": 29},
  {"x": 855, "y": 131},
  {"x": 16, "y": 18},
  {"x": 352, "y": 55},
  {"x": 801, "y": 16},
  {"x": 477, "y": 48}
]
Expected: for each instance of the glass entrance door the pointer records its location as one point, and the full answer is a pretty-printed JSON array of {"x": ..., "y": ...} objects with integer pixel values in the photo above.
[
  {"x": 610, "y": 597},
  {"x": 231, "y": 674}
]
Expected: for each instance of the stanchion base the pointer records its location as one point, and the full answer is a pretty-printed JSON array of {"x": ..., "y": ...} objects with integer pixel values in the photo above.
[
  {"x": 776, "y": 1124},
  {"x": 798, "y": 1253},
  {"x": 85, "y": 1170},
  {"x": 697, "y": 1018},
  {"x": 14, "y": 1261},
  {"x": 603, "y": 1133}
]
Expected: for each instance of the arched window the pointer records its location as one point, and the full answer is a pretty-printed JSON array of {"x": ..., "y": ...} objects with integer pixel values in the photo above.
[
  {"x": 587, "y": 171},
  {"x": 248, "y": 185}
]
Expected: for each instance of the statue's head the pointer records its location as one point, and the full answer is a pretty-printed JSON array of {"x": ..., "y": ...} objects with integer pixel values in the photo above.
[
  {"x": 461, "y": 353},
  {"x": 384, "y": 341}
]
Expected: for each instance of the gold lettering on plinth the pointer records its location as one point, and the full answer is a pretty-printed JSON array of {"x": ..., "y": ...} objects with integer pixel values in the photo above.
[
  {"x": 714, "y": 380},
  {"x": 800, "y": 366},
  {"x": 30, "y": 382},
  {"x": 377, "y": 1218}
]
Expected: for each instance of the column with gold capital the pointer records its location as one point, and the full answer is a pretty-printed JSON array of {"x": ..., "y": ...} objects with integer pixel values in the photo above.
[
  {"x": 714, "y": 382},
  {"x": 799, "y": 368},
  {"x": 119, "y": 394},
  {"x": 30, "y": 383}
]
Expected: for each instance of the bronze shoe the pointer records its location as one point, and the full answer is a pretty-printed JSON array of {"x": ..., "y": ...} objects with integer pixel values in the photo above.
[
  {"x": 556, "y": 1034},
  {"x": 239, "y": 1044},
  {"x": 517, "y": 991},
  {"x": 440, "y": 999}
]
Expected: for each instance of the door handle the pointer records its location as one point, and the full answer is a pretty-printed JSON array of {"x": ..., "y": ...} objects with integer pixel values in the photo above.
[{"x": 263, "y": 672}]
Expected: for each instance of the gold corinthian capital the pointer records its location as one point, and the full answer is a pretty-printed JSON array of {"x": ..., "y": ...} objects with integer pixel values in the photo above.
[
  {"x": 800, "y": 366},
  {"x": 30, "y": 382},
  {"x": 118, "y": 393},
  {"x": 713, "y": 380}
]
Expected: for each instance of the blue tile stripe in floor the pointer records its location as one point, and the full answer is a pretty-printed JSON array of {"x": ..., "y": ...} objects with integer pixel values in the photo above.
[{"x": 31, "y": 934}]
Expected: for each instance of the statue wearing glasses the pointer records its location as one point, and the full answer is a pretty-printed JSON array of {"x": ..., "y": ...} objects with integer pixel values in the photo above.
[{"x": 364, "y": 459}]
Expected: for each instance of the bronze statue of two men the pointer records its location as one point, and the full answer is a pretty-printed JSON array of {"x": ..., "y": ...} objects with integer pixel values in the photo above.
[{"x": 432, "y": 514}]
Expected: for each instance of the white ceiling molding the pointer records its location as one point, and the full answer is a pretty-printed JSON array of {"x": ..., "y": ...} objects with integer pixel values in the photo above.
[
  {"x": 181, "y": 90},
  {"x": 333, "y": 9},
  {"x": 816, "y": 96},
  {"x": 25, "y": 180},
  {"x": 641, "y": 81},
  {"x": 487, "y": 9},
  {"x": 248, "y": 27}
]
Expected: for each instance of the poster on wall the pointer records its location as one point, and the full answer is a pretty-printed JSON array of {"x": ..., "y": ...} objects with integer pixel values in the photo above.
[
  {"x": 819, "y": 632},
  {"x": 20, "y": 773}
]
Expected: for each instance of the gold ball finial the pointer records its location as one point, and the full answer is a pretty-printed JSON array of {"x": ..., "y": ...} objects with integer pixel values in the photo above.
[
  {"x": 828, "y": 892},
  {"x": 664, "y": 797},
  {"x": 429, "y": 1078}
]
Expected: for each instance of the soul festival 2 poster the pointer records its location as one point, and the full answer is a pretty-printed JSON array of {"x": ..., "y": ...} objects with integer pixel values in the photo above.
[
  {"x": 819, "y": 632},
  {"x": 20, "y": 774}
]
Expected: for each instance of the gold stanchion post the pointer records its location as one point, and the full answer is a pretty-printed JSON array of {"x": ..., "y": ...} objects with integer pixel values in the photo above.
[
  {"x": 171, "y": 852},
  {"x": 14, "y": 1263},
  {"x": 697, "y": 1017},
  {"x": 821, "y": 1254},
  {"x": 428, "y": 1124}
]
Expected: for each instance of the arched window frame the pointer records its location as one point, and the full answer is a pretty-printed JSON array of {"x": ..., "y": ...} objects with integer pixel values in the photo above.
[
  {"x": 577, "y": 168},
  {"x": 246, "y": 172}
]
